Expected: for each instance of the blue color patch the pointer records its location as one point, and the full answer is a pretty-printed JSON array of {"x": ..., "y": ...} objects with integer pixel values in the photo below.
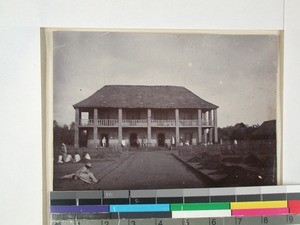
[
  {"x": 140, "y": 208},
  {"x": 79, "y": 209}
]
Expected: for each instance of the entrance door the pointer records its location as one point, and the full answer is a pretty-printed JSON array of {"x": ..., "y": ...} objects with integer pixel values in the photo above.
[
  {"x": 161, "y": 139},
  {"x": 133, "y": 140},
  {"x": 83, "y": 138},
  {"x": 104, "y": 139},
  {"x": 188, "y": 138}
]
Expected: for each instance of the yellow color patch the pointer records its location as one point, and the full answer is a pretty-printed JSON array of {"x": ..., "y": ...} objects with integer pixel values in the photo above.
[{"x": 258, "y": 205}]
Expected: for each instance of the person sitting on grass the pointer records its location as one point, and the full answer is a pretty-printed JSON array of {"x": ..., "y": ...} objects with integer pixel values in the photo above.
[{"x": 83, "y": 174}]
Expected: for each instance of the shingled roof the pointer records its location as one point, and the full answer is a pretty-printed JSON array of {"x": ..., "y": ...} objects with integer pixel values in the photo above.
[{"x": 139, "y": 96}]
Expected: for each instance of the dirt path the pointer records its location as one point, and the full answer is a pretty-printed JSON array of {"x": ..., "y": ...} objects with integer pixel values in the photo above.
[{"x": 148, "y": 170}]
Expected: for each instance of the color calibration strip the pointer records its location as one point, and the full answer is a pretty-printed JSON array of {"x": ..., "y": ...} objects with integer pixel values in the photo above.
[
  {"x": 250, "y": 202},
  {"x": 189, "y": 210}
]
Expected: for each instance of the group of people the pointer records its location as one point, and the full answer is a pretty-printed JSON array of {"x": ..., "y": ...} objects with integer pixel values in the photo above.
[
  {"x": 67, "y": 157},
  {"x": 139, "y": 142},
  {"x": 84, "y": 173}
]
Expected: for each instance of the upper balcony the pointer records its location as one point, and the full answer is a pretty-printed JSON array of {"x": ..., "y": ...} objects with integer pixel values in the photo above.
[
  {"x": 134, "y": 123},
  {"x": 163, "y": 123},
  {"x": 142, "y": 123}
]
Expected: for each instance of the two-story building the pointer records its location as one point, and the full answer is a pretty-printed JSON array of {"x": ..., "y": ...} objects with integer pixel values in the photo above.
[{"x": 149, "y": 115}]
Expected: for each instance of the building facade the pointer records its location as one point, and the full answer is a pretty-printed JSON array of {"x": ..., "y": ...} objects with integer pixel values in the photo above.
[{"x": 144, "y": 115}]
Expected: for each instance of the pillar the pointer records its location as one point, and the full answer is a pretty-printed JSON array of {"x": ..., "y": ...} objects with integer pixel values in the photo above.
[
  {"x": 199, "y": 126},
  {"x": 149, "y": 136},
  {"x": 203, "y": 118},
  {"x": 215, "y": 126},
  {"x": 177, "y": 126},
  {"x": 211, "y": 135},
  {"x": 76, "y": 136},
  {"x": 95, "y": 127},
  {"x": 205, "y": 136},
  {"x": 210, "y": 117},
  {"x": 120, "y": 118}
]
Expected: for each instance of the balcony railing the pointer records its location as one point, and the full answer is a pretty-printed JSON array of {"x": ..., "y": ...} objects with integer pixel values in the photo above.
[
  {"x": 108, "y": 122},
  {"x": 142, "y": 123},
  {"x": 207, "y": 123},
  {"x": 163, "y": 123},
  {"x": 188, "y": 123},
  {"x": 134, "y": 123},
  {"x": 86, "y": 122}
]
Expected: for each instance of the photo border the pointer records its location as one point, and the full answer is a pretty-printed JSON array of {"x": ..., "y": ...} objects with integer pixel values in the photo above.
[{"x": 21, "y": 22}]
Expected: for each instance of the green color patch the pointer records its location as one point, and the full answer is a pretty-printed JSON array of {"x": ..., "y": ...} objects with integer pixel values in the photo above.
[{"x": 200, "y": 206}]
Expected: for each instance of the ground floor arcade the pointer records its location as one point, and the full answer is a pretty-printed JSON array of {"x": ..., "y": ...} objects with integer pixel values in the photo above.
[{"x": 134, "y": 137}]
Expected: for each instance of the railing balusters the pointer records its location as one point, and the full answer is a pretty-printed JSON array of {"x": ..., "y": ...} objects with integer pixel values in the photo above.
[{"x": 143, "y": 123}]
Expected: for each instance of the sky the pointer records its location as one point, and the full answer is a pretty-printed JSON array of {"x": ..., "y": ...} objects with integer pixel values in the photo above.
[{"x": 236, "y": 72}]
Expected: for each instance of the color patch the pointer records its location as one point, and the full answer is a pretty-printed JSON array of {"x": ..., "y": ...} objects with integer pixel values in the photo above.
[
  {"x": 260, "y": 212},
  {"x": 248, "y": 198},
  {"x": 142, "y": 201},
  {"x": 200, "y": 206},
  {"x": 63, "y": 202},
  {"x": 223, "y": 198},
  {"x": 140, "y": 208},
  {"x": 170, "y": 200},
  {"x": 258, "y": 205},
  {"x": 90, "y": 202},
  {"x": 201, "y": 199},
  {"x": 79, "y": 209},
  {"x": 294, "y": 203},
  {"x": 201, "y": 213},
  {"x": 295, "y": 210}
]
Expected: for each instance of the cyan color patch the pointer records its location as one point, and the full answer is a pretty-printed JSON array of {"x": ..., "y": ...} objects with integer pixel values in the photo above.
[{"x": 140, "y": 208}]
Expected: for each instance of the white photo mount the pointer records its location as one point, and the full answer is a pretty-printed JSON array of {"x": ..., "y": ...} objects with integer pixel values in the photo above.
[{"x": 20, "y": 26}]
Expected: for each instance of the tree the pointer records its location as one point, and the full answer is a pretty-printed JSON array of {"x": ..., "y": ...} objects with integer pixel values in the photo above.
[{"x": 63, "y": 134}]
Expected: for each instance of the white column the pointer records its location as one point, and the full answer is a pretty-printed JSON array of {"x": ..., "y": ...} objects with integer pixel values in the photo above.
[
  {"x": 149, "y": 136},
  {"x": 177, "y": 126},
  {"x": 95, "y": 127},
  {"x": 207, "y": 117},
  {"x": 216, "y": 126},
  {"x": 76, "y": 136},
  {"x": 210, "y": 135},
  {"x": 120, "y": 131},
  {"x": 199, "y": 126},
  {"x": 205, "y": 136}
]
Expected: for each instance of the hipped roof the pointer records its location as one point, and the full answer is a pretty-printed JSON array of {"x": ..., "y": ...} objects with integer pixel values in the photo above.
[{"x": 140, "y": 96}]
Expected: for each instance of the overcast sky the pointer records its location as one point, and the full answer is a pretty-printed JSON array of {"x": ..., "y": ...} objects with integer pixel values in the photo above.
[{"x": 235, "y": 72}]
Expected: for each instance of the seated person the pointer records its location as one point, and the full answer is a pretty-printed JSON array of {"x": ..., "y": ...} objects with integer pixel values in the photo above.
[{"x": 83, "y": 174}]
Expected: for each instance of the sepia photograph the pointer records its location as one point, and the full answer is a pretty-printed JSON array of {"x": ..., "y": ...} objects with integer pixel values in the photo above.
[{"x": 159, "y": 110}]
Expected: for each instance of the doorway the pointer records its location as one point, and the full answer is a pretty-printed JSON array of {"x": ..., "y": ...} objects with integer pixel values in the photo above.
[
  {"x": 83, "y": 138},
  {"x": 161, "y": 139},
  {"x": 134, "y": 140},
  {"x": 188, "y": 138},
  {"x": 104, "y": 140}
]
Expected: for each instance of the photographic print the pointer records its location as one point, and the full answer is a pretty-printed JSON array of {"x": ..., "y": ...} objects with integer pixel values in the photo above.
[{"x": 161, "y": 110}]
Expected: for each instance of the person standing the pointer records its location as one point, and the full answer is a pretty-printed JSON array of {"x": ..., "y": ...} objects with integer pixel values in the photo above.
[
  {"x": 103, "y": 142},
  {"x": 64, "y": 151},
  {"x": 123, "y": 143},
  {"x": 144, "y": 142},
  {"x": 172, "y": 142}
]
